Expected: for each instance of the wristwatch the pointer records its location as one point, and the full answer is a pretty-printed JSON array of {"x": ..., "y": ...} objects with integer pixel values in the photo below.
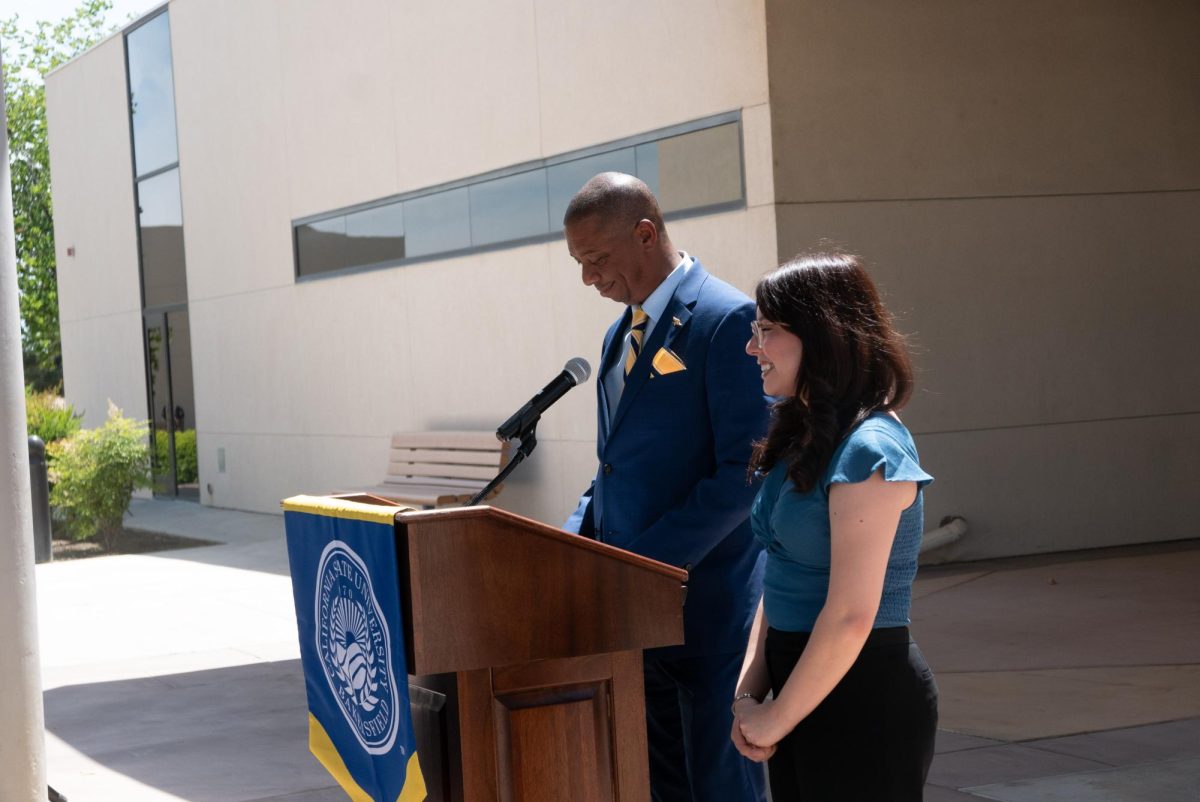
[{"x": 739, "y": 698}]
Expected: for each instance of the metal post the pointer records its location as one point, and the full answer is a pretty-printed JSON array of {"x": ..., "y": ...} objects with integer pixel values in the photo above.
[
  {"x": 39, "y": 487},
  {"x": 23, "y": 753}
]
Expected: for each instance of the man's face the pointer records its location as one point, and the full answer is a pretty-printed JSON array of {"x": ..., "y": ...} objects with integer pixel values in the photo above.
[{"x": 613, "y": 258}]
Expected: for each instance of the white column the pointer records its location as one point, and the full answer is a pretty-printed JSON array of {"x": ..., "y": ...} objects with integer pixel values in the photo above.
[{"x": 23, "y": 750}]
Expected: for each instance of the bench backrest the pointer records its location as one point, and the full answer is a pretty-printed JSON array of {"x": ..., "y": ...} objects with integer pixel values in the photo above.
[{"x": 449, "y": 458}]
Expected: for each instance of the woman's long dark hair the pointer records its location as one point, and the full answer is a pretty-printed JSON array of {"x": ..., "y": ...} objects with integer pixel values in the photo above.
[{"x": 853, "y": 361}]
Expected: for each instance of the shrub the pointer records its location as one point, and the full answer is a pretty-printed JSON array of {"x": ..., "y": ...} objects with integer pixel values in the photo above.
[
  {"x": 48, "y": 416},
  {"x": 186, "y": 468},
  {"x": 95, "y": 472}
]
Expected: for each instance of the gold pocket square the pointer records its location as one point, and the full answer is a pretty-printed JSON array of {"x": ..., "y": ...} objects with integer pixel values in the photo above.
[{"x": 665, "y": 361}]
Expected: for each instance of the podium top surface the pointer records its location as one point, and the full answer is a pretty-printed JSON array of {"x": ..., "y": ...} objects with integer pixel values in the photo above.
[
  {"x": 538, "y": 528},
  {"x": 364, "y": 506}
]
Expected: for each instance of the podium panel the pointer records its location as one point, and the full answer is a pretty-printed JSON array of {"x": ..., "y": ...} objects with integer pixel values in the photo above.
[{"x": 524, "y": 652}]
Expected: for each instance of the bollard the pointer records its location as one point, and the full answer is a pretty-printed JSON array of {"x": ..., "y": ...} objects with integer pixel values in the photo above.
[{"x": 39, "y": 489}]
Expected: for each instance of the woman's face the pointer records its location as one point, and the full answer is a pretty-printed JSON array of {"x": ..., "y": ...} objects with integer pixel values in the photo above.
[{"x": 778, "y": 353}]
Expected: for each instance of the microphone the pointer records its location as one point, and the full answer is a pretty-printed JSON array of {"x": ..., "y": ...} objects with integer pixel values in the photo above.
[{"x": 576, "y": 371}]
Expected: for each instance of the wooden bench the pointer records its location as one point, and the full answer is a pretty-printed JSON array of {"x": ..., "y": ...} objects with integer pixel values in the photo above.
[{"x": 440, "y": 469}]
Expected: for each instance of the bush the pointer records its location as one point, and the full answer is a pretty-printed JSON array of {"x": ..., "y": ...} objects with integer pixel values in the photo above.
[
  {"x": 95, "y": 472},
  {"x": 186, "y": 468},
  {"x": 48, "y": 416}
]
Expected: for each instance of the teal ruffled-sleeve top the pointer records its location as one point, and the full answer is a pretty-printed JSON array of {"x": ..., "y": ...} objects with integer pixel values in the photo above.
[{"x": 794, "y": 527}]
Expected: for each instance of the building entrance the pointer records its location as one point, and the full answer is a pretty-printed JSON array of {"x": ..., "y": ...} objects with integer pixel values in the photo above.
[{"x": 172, "y": 403}]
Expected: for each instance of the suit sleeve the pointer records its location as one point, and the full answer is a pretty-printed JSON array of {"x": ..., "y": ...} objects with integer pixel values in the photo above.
[
  {"x": 738, "y": 415},
  {"x": 581, "y": 521}
]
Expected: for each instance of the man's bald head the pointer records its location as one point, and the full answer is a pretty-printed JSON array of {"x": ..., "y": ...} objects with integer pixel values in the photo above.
[
  {"x": 615, "y": 231},
  {"x": 615, "y": 198}
]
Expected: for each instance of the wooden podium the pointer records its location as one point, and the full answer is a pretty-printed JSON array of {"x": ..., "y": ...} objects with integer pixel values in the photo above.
[{"x": 524, "y": 645}]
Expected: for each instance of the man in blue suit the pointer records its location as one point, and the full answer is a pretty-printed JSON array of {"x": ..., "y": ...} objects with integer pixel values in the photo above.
[{"x": 679, "y": 405}]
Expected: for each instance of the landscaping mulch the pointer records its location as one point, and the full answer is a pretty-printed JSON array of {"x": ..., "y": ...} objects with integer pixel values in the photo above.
[{"x": 130, "y": 541}]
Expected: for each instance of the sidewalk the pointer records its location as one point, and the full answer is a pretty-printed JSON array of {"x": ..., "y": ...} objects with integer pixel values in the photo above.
[{"x": 176, "y": 676}]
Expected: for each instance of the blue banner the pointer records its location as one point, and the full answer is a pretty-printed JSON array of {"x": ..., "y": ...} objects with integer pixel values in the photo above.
[{"x": 347, "y": 592}]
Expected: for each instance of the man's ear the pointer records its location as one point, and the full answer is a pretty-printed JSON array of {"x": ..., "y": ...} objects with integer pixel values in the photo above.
[{"x": 647, "y": 233}]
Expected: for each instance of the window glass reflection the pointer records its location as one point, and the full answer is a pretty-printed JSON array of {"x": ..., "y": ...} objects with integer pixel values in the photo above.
[
  {"x": 164, "y": 277},
  {"x": 509, "y": 208},
  {"x": 646, "y": 157},
  {"x": 375, "y": 235},
  {"x": 438, "y": 223},
  {"x": 156, "y": 370},
  {"x": 702, "y": 168},
  {"x": 694, "y": 171},
  {"x": 152, "y": 95},
  {"x": 182, "y": 425},
  {"x": 565, "y": 179},
  {"x": 320, "y": 246}
]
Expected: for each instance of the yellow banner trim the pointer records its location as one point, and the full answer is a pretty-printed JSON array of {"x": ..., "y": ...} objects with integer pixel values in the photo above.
[
  {"x": 322, "y": 747},
  {"x": 414, "y": 782},
  {"x": 343, "y": 508}
]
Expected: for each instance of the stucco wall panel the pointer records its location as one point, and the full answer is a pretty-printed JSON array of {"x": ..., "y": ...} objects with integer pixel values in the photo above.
[
  {"x": 676, "y": 62},
  {"x": 1055, "y": 488},
  {"x": 942, "y": 98},
  {"x": 103, "y": 360},
  {"x": 233, "y": 145},
  {"x": 1028, "y": 311},
  {"x": 341, "y": 125},
  {"x": 465, "y": 91},
  {"x": 92, "y": 185}
]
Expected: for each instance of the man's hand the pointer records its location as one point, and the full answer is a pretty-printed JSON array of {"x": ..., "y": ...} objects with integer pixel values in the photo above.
[{"x": 749, "y": 751}]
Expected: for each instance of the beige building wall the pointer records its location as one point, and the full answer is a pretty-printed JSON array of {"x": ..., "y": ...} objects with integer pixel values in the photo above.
[
  {"x": 1024, "y": 179},
  {"x": 311, "y": 107},
  {"x": 95, "y": 217}
]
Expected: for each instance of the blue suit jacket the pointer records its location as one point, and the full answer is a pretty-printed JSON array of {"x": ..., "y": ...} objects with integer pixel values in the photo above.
[{"x": 672, "y": 479}]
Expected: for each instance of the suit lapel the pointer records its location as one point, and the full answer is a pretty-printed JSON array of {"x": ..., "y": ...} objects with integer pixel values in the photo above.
[
  {"x": 612, "y": 348},
  {"x": 678, "y": 308}
]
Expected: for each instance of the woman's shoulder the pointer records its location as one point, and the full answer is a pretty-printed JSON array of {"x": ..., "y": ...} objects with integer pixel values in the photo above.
[
  {"x": 880, "y": 441},
  {"x": 884, "y": 429}
]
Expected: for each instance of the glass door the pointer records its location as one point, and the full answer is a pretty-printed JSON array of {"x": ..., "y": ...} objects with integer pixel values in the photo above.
[{"x": 172, "y": 404}]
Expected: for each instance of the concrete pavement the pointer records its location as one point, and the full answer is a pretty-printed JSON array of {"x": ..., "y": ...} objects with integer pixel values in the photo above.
[{"x": 175, "y": 675}]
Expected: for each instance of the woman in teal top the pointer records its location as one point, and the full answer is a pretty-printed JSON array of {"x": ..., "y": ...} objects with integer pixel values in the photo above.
[{"x": 840, "y": 513}]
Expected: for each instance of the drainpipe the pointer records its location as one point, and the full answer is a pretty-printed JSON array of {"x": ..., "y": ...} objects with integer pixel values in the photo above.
[
  {"x": 953, "y": 527},
  {"x": 23, "y": 756}
]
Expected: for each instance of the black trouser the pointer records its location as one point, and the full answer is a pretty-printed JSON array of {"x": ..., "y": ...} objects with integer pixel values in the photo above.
[{"x": 871, "y": 738}]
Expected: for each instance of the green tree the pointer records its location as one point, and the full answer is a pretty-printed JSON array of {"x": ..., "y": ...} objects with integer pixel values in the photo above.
[{"x": 29, "y": 52}]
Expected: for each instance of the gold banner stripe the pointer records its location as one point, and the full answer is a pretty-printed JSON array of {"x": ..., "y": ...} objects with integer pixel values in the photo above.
[
  {"x": 320, "y": 744},
  {"x": 414, "y": 782},
  {"x": 343, "y": 508}
]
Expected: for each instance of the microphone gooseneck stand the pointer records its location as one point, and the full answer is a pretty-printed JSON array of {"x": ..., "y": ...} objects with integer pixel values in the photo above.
[{"x": 528, "y": 444}]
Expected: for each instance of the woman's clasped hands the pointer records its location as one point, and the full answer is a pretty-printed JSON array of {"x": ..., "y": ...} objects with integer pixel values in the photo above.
[{"x": 756, "y": 729}]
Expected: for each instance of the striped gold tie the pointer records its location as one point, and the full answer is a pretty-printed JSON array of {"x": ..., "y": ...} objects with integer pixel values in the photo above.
[{"x": 637, "y": 333}]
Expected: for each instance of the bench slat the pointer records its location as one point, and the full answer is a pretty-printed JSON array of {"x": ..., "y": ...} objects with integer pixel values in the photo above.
[
  {"x": 455, "y": 457},
  {"x": 454, "y": 484},
  {"x": 441, "y": 470},
  {"x": 484, "y": 441}
]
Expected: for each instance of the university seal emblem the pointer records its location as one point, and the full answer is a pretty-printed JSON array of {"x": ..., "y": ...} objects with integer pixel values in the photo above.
[{"x": 355, "y": 648}]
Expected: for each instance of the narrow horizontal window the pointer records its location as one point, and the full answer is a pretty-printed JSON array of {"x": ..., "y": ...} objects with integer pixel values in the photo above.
[
  {"x": 694, "y": 168},
  {"x": 321, "y": 245},
  {"x": 509, "y": 208},
  {"x": 375, "y": 235},
  {"x": 438, "y": 223}
]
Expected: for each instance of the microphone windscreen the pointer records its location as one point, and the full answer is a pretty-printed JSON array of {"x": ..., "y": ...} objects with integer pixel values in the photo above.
[{"x": 579, "y": 369}]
